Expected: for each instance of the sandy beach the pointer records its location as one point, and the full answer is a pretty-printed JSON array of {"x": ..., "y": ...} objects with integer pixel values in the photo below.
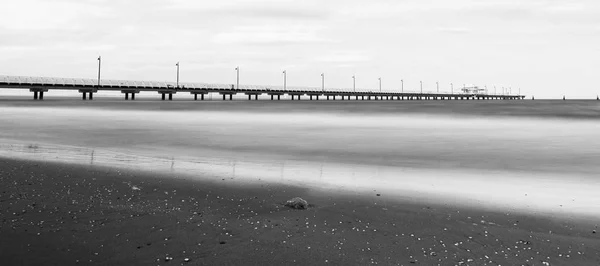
[
  {"x": 113, "y": 183},
  {"x": 60, "y": 214}
]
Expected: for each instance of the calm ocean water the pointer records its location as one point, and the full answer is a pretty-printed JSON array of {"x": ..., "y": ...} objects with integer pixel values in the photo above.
[{"x": 540, "y": 156}]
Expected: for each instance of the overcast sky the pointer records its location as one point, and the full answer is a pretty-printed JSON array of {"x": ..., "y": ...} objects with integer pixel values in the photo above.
[{"x": 546, "y": 47}]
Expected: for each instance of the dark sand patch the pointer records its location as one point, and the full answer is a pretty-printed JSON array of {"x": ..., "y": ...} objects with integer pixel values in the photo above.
[{"x": 58, "y": 214}]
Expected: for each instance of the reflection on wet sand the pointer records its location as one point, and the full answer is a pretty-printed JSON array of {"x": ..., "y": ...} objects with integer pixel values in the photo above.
[{"x": 507, "y": 190}]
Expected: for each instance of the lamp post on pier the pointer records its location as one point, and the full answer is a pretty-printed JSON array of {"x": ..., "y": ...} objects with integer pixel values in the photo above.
[
  {"x": 354, "y": 83},
  {"x": 322, "y": 81},
  {"x": 402, "y": 84},
  {"x": 379, "y": 84},
  {"x": 437, "y": 84},
  {"x": 237, "y": 80},
  {"x": 451, "y": 88},
  {"x": 99, "y": 65},
  {"x": 284, "y": 79},
  {"x": 177, "y": 74},
  {"x": 421, "y": 87}
]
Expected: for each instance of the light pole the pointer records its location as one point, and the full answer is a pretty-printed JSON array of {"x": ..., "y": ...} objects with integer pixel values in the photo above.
[
  {"x": 323, "y": 81},
  {"x": 284, "y": 79},
  {"x": 379, "y": 84},
  {"x": 437, "y": 84},
  {"x": 237, "y": 81},
  {"x": 177, "y": 74},
  {"x": 451, "y": 88},
  {"x": 421, "y": 87},
  {"x": 495, "y": 90},
  {"x": 99, "y": 65},
  {"x": 402, "y": 84},
  {"x": 354, "y": 83}
]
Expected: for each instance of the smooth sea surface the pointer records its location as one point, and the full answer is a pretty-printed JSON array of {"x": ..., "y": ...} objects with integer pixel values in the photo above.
[{"x": 532, "y": 156}]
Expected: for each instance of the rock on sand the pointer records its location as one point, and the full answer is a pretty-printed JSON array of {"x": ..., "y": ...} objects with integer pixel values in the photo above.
[{"x": 297, "y": 203}]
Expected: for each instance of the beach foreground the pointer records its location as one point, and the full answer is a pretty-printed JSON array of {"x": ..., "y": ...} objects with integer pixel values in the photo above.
[{"x": 61, "y": 214}]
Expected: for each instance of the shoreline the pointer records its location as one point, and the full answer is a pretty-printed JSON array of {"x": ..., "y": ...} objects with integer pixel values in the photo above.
[
  {"x": 526, "y": 193},
  {"x": 132, "y": 217}
]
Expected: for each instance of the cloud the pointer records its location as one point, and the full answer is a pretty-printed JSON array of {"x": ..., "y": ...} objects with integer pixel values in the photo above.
[
  {"x": 271, "y": 12},
  {"x": 270, "y": 34},
  {"x": 453, "y": 30},
  {"x": 280, "y": 10},
  {"x": 538, "y": 10},
  {"x": 343, "y": 57},
  {"x": 47, "y": 15}
]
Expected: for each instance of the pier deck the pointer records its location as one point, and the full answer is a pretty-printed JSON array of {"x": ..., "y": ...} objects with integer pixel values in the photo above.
[{"x": 39, "y": 85}]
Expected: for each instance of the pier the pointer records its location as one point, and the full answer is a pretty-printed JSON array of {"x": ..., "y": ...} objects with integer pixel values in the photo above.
[{"x": 88, "y": 87}]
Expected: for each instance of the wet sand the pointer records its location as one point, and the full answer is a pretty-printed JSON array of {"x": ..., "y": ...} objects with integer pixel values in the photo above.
[{"x": 63, "y": 214}]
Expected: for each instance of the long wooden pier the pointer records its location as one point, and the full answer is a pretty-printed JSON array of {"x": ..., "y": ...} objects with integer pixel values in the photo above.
[{"x": 88, "y": 87}]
